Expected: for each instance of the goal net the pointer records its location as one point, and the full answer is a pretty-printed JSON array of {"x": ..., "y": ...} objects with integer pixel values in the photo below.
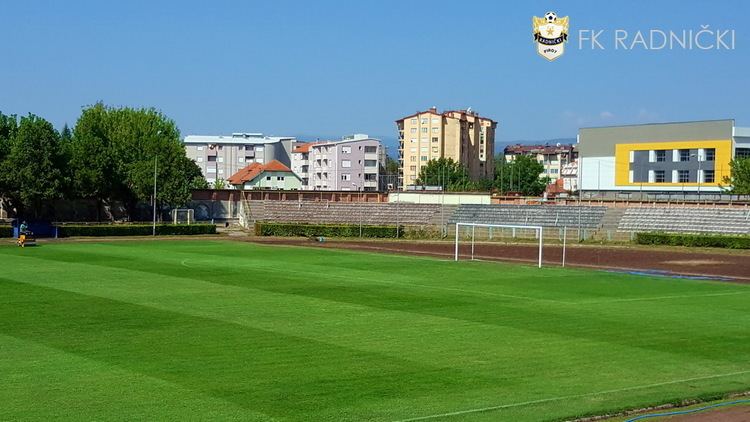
[
  {"x": 183, "y": 216},
  {"x": 468, "y": 234}
]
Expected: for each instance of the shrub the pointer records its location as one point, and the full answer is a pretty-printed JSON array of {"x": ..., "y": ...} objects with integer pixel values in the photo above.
[
  {"x": 6, "y": 231},
  {"x": 694, "y": 240},
  {"x": 326, "y": 230},
  {"x": 135, "y": 230}
]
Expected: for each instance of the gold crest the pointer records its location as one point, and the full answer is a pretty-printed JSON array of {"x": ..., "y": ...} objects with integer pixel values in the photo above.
[{"x": 550, "y": 35}]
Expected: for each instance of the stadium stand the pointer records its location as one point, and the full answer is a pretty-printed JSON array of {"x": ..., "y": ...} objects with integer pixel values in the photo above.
[
  {"x": 344, "y": 212},
  {"x": 540, "y": 215},
  {"x": 686, "y": 220}
]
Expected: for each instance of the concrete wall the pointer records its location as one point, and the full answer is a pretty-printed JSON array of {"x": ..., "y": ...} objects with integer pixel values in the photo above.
[{"x": 439, "y": 198}]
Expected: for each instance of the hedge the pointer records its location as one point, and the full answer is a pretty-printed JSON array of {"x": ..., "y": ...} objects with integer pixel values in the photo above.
[
  {"x": 694, "y": 240},
  {"x": 329, "y": 230},
  {"x": 6, "y": 231},
  {"x": 134, "y": 230}
]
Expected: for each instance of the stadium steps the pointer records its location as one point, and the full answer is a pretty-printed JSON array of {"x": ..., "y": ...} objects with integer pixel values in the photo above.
[
  {"x": 686, "y": 220},
  {"x": 608, "y": 229}
]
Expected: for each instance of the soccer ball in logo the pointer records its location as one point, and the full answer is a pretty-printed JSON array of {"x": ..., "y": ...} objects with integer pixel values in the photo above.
[{"x": 550, "y": 17}]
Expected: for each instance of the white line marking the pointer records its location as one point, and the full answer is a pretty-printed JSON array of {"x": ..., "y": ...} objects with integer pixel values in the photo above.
[
  {"x": 525, "y": 403},
  {"x": 635, "y": 299}
]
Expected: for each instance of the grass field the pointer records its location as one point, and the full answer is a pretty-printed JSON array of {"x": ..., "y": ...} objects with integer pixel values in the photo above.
[{"x": 211, "y": 330}]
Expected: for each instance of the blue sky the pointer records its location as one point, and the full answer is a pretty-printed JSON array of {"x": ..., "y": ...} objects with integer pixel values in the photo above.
[{"x": 325, "y": 68}]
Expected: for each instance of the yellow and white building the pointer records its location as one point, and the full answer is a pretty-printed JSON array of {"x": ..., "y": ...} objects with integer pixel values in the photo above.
[
  {"x": 462, "y": 135},
  {"x": 690, "y": 157}
]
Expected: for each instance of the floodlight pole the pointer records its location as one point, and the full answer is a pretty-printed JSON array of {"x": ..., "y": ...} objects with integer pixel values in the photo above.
[
  {"x": 456, "y": 255},
  {"x": 153, "y": 231}
]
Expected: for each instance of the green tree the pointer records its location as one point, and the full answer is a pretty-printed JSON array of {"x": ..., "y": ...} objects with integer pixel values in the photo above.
[
  {"x": 31, "y": 173},
  {"x": 445, "y": 172},
  {"x": 520, "y": 175},
  {"x": 739, "y": 181},
  {"x": 114, "y": 153},
  {"x": 220, "y": 184}
]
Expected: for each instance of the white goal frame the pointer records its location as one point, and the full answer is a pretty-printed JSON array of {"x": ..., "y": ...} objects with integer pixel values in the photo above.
[
  {"x": 187, "y": 211},
  {"x": 538, "y": 231}
]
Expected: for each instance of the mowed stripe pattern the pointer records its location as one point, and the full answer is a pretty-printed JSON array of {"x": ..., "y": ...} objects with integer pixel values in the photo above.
[{"x": 224, "y": 330}]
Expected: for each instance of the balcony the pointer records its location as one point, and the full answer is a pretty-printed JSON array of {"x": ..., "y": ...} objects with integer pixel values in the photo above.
[{"x": 371, "y": 156}]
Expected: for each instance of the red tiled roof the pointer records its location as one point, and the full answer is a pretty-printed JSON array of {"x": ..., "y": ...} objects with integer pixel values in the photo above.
[
  {"x": 434, "y": 111},
  {"x": 305, "y": 147},
  {"x": 252, "y": 171}
]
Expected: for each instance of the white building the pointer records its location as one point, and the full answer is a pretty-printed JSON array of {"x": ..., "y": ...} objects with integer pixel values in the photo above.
[
  {"x": 219, "y": 157},
  {"x": 351, "y": 164}
]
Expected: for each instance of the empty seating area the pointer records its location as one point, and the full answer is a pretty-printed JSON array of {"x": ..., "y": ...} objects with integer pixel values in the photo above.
[
  {"x": 537, "y": 215},
  {"x": 686, "y": 220},
  {"x": 345, "y": 212}
]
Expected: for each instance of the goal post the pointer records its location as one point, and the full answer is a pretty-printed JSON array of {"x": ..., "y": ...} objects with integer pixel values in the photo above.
[
  {"x": 538, "y": 231},
  {"x": 183, "y": 216}
]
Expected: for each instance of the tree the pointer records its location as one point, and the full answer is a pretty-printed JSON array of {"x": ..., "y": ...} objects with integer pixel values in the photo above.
[
  {"x": 451, "y": 175},
  {"x": 220, "y": 184},
  {"x": 739, "y": 181},
  {"x": 114, "y": 152},
  {"x": 31, "y": 173},
  {"x": 520, "y": 175}
]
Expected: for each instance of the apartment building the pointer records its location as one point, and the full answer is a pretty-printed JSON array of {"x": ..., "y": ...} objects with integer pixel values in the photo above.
[
  {"x": 462, "y": 135},
  {"x": 554, "y": 158},
  {"x": 219, "y": 157},
  {"x": 351, "y": 164}
]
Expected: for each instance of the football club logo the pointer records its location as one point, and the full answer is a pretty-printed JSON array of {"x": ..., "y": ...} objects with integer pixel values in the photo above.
[{"x": 550, "y": 35}]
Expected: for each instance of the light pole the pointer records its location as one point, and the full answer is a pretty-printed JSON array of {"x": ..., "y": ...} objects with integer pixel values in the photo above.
[
  {"x": 698, "y": 176},
  {"x": 153, "y": 230}
]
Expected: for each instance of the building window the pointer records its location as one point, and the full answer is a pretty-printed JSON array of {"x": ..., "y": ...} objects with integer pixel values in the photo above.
[
  {"x": 434, "y": 150},
  {"x": 434, "y": 140},
  {"x": 413, "y": 149},
  {"x": 708, "y": 176},
  {"x": 199, "y": 159},
  {"x": 241, "y": 159},
  {"x": 200, "y": 148},
  {"x": 346, "y": 177},
  {"x": 683, "y": 176},
  {"x": 346, "y": 163},
  {"x": 413, "y": 130},
  {"x": 661, "y": 155},
  {"x": 268, "y": 178},
  {"x": 709, "y": 154},
  {"x": 412, "y": 168},
  {"x": 659, "y": 176},
  {"x": 434, "y": 130},
  {"x": 435, "y": 120},
  {"x": 423, "y": 149},
  {"x": 413, "y": 140},
  {"x": 423, "y": 158},
  {"x": 413, "y": 158},
  {"x": 742, "y": 153},
  {"x": 424, "y": 120},
  {"x": 684, "y": 155},
  {"x": 371, "y": 149},
  {"x": 424, "y": 130},
  {"x": 211, "y": 158},
  {"x": 371, "y": 163},
  {"x": 280, "y": 178},
  {"x": 346, "y": 150},
  {"x": 414, "y": 121}
]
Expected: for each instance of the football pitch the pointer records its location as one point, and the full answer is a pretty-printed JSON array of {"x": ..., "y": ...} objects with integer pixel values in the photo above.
[{"x": 213, "y": 330}]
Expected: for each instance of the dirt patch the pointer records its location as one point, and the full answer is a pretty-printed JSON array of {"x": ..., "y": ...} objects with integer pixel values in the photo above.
[
  {"x": 728, "y": 414},
  {"x": 716, "y": 264}
]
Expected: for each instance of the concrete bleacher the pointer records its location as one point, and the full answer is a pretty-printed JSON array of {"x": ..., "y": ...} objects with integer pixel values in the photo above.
[
  {"x": 375, "y": 213},
  {"x": 537, "y": 215},
  {"x": 686, "y": 220}
]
